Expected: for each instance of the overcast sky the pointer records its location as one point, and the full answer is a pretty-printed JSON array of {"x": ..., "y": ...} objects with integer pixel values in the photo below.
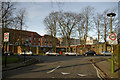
[{"x": 37, "y": 11}]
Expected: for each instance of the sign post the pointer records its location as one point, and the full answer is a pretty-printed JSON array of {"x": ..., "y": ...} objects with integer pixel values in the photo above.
[
  {"x": 112, "y": 41},
  {"x": 6, "y": 40}
]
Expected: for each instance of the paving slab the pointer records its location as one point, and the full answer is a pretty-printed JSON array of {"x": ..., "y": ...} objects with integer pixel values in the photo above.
[{"x": 105, "y": 65}]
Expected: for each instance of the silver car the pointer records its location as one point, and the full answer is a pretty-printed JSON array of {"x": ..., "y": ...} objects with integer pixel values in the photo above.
[
  {"x": 71, "y": 53},
  {"x": 26, "y": 53},
  {"x": 52, "y": 53},
  {"x": 105, "y": 53}
]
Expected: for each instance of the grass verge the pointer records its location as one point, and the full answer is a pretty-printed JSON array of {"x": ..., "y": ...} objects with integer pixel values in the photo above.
[{"x": 10, "y": 59}]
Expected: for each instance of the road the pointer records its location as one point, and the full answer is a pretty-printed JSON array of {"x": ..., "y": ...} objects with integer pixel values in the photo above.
[{"x": 56, "y": 67}]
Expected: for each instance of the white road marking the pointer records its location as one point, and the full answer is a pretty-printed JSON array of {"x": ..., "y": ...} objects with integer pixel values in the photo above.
[
  {"x": 64, "y": 73},
  {"x": 53, "y": 77},
  {"x": 82, "y": 75},
  {"x": 97, "y": 72},
  {"x": 53, "y": 69}
]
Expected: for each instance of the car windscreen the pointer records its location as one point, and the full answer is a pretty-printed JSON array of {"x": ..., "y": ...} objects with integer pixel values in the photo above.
[
  {"x": 91, "y": 52},
  {"x": 106, "y": 51}
]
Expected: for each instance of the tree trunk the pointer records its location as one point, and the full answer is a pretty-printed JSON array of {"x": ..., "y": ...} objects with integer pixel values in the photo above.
[
  {"x": 105, "y": 35},
  {"x": 98, "y": 40},
  {"x": 84, "y": 45},
  {"x": 69, "y": 45}
]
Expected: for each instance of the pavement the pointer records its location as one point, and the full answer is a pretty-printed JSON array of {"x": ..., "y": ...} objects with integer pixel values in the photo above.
[
  {"x": 104, "y": 67},
  {"x": 21, "y": 63}
]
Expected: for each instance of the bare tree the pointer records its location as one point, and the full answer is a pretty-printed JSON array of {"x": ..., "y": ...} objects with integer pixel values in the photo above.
[
  {"x": 105, "y": 27},
  {"x": 7, "y": 9},
  {"x": 20, "y": 19},
  {"x": 7, "y": 14},
  {"x": 67, "y": 23},
  {"x": 97, "y": 21},
  {"x": 20, "y": 23},
  {"x": 87, "y": 13},
  {"x": 81, "y": 30},
  {"x": 51, "y": 25},
  {"x": 10, "y": 19}
]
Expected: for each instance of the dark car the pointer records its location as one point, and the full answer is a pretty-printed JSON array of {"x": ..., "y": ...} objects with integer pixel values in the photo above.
[{"x": 92, "y": 53}]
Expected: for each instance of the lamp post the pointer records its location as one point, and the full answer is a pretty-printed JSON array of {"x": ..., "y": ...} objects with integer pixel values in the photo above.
[
  {"x": 112, "y": 59},
  {"x": 111, "y": 15}
]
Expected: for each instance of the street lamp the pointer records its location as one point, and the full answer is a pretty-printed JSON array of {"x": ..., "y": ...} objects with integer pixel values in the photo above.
[
  {"x": 111, "y": 15},
  {"x": 112, "y": 59}
]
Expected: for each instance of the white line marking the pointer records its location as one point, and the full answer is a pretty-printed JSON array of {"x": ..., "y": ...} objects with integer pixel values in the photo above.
[
  {"x": 53, "y": 69},
  {"x": 64, "y": 73},
  {"x": 82, "y": 75},
  {"x": 97, "y": 72}
]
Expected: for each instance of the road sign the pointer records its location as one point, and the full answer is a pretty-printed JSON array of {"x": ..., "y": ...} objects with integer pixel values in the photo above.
[
  {"x": 113, "y": 38},
  {"x": 6, "y": 37}
]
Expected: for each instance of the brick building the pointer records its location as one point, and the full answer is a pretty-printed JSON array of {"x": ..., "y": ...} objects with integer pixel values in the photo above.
[
  {"x": 47, "y": 40},
  {"x": 22, "y": 40}
]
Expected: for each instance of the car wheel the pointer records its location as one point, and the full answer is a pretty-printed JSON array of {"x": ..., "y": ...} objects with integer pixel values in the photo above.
[
  {"x": 67, "y": 55},
  {"x": 86, "y": 55}
]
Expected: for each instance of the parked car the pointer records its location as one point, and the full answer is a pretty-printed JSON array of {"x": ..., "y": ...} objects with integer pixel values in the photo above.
[
  {"x": 92, "y": 53},
  {"x": 70, "y": 53},
  {"x": 105, "y": 53},
  {"x": 9, "y": 53},
  {"x": 52, "y": 53},
  {"x": 26, "y": 53}
]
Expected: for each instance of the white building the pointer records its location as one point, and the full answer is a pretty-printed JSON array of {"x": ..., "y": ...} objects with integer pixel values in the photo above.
[{"x": 91, "y": 41}]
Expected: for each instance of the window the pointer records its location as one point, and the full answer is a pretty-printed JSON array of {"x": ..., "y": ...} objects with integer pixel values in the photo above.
[
  {"x": 29, "y": 38},
  {"x": 39, "y": 44},
  {"x": 46, "y": 44},
  {"x": 91, "y": 41},
  {"x": 19, "y": 37},
  {"x": 39, "y": 39}
]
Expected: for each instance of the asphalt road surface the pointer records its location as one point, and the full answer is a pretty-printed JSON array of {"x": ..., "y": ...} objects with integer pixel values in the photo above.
[{"x": 56, "y": 67}]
